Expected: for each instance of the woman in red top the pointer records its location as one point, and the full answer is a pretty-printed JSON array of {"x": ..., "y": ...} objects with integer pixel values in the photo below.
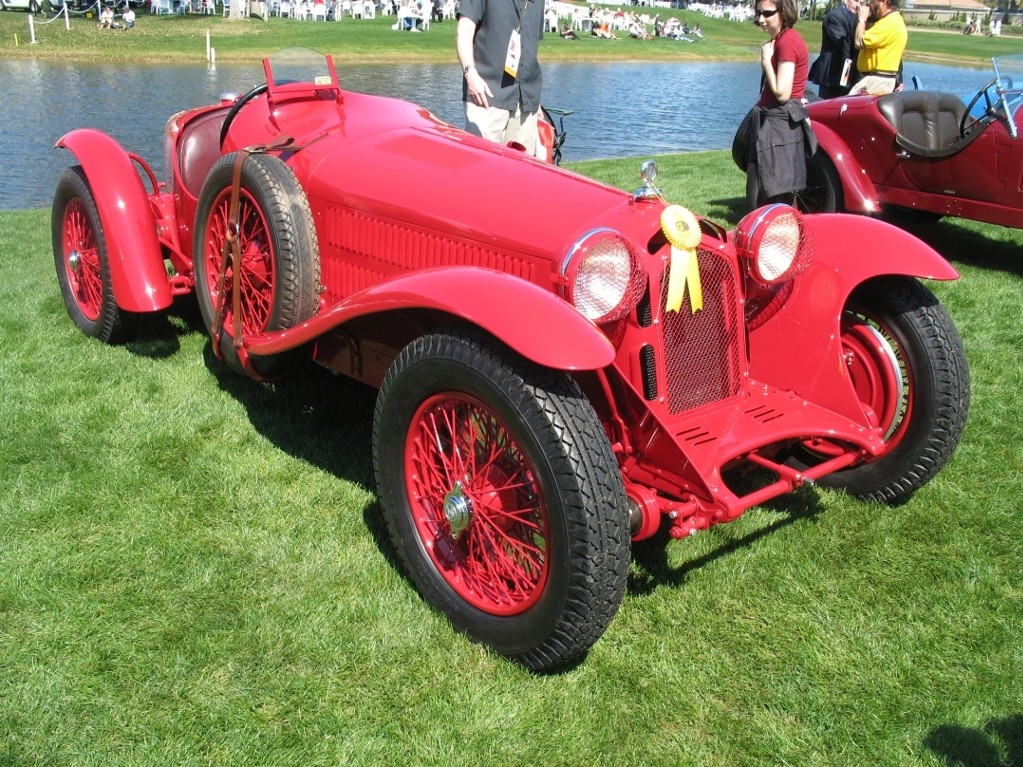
[
  {"x": 780, "y": 138},
  {"x": 784, "y": 58}
]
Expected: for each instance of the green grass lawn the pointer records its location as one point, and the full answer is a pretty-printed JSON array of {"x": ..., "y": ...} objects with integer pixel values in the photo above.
[
  {"x": 183, "y": 38},
  {"x": 193, "y": 571}
]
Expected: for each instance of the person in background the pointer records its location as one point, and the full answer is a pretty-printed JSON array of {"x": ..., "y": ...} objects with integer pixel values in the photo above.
[
  {"x": 128, "y": 17},
  {"x": 834, "y": 71},
  {"x": 106, "y": 17},
  {"x": 779, "y": 138},
  {"x": 881, "y": 47},
  {"x": 497, "y": 42}
]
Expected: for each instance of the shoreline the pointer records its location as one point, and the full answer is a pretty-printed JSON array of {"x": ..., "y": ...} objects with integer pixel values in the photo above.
[{"x": 182, "y": 40}]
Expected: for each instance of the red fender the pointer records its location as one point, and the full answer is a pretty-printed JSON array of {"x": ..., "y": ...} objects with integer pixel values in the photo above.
[
  {"x": 137, "y": 272},
  {"x": 532, "y": 321},
  {"x": 799, "y": 348},
  {"x": 858, "y": 190}
]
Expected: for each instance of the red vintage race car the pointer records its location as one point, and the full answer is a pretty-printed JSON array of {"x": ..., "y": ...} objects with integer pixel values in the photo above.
[
  {"x": 923, "y": 153},
  {"x": 561, "y": 366}
]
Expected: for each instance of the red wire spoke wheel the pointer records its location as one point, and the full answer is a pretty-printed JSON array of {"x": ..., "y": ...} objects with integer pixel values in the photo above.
[
  {"x": 502, "y": 496},
  {"x": 82, "y": 262},
  {"x": 477, "y": 505},
  {"x": 258, "y": 274}
]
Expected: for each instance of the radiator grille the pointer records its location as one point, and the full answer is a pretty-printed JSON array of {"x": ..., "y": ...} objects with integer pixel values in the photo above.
[{"x": 702, "y": 350}]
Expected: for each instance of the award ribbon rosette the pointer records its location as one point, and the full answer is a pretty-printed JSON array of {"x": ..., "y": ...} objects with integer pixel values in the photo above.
[{"x": 683, "y": 232}]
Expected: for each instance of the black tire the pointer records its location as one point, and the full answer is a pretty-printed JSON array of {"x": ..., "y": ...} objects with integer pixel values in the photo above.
[
  {"x": 280, "y": 257},
  {"x": 740, "y": 142},
  {"x": 83, "y": 264},
  {"x": 549, "y": 590},
  {"x": 823, "y": 192},
  {"x": 900, "y": 322}
]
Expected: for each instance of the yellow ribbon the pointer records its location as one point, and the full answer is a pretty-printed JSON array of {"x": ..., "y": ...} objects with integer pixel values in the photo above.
[{"x": 683, "y": 232}]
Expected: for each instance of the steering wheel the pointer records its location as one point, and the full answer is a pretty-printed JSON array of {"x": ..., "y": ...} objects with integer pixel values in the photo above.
[
  {"x": 991, "y": 108},
  {"x": 237, "y": 107}
]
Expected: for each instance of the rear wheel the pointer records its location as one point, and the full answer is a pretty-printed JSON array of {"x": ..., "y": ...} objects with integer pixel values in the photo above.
[
  {"x": 279, "y": 266},
  {"x": 823, "y": 192},
  {"x": 83, "y": 264},
  {"x": 909, "y": 370},
  {"x": 502, "y": 497}
]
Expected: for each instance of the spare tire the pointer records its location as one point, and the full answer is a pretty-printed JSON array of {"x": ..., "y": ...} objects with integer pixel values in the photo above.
[
  {"x": 280, "y": 258},
  {"x": 740, "y": 142}
]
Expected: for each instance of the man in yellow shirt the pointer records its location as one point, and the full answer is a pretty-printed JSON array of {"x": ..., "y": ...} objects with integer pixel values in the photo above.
[{"x": 881, "y": 46}]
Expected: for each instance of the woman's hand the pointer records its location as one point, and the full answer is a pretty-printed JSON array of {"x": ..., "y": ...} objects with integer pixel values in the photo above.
[{"x": 766, "y": 54}]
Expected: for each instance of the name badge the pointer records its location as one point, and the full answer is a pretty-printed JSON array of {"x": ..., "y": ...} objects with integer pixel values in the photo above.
[{"x": 511, "y": 61}]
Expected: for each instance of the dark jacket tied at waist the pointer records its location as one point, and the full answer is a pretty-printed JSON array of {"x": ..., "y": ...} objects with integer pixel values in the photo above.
[{"x": 781, "y": 142}]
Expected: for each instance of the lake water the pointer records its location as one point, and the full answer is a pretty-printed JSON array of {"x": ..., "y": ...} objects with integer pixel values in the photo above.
[{"x": 621, "y": 109}]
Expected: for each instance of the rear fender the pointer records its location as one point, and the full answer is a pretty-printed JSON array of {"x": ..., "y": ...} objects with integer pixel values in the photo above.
[
  {"x": 137, "y": 272},
  {"x": 532, "y": 321},
  {"x": 799, "y": 348},
  {"x": 858, "y": 190}
]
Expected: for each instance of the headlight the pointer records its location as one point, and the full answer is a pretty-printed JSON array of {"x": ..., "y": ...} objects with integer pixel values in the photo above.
[
  {"x": 776, "y": 241},
  {"x": 602, "y": 276}
]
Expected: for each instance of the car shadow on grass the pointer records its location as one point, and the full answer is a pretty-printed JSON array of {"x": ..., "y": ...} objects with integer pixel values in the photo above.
[
  {"x": 999, "y": 743},
  {"x": 159, "y": 334},
  {"x": 326, "y": 420},
  {"x": 652, "y": 569},
  {"x": 994, "y": 249},
  {"x": 318, "y": 417}
]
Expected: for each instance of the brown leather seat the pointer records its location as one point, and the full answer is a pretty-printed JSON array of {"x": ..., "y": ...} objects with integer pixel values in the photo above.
[{"x": 926, "y": 122}]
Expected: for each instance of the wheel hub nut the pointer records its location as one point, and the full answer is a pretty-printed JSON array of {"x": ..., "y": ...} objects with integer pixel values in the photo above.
[
  {"x": 457, "y": 510},
  {"x": 74, "y": 260}
]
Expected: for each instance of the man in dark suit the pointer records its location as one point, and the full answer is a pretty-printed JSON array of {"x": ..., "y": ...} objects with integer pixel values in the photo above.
[{"x": 834, "y": 71}]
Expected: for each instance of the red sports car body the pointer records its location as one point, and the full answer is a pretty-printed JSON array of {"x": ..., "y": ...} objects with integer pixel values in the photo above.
[
  {"x": 923, "y": 152},
  {"x": 562, "y": 366}
]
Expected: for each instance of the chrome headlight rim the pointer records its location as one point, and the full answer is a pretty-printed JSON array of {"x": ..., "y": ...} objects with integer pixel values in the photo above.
[
  {"x": 774, "y": 240},
  {"x": 594, "y": 255}
]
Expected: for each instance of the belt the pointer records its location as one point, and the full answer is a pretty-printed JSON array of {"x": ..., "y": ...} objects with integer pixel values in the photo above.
[{"x": 882, "y": 73}]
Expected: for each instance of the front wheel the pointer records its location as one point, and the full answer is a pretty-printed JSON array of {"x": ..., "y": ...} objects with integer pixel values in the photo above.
[
  {"x": 502, "y": 497},
  {"x": 907, "y": 364}
]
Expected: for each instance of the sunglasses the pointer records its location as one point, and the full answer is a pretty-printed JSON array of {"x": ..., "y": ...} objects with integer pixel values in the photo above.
[{"x": 765, "y": 14}]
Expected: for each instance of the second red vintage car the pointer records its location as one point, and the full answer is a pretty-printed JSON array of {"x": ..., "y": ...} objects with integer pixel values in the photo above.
[
  {"x": 562, "y": 366},
  {"x": 924, "y": 153}
]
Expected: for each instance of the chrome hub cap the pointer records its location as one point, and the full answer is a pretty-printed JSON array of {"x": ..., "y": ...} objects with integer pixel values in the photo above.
[{"x": 457, "y": 510}]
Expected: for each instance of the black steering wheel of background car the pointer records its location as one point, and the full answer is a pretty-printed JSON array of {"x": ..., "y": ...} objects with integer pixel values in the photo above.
[
  {"x": 991, "y": 109},
  {"x": 237, "y": 107}
]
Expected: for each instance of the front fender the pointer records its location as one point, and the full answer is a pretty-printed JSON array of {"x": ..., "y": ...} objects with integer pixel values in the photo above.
[
  {"x": 137, "y": 272},
  {"x": 858, "y": 191},
  {"x": 532, "y": 321},
  {"x": 799, "y": 348}
]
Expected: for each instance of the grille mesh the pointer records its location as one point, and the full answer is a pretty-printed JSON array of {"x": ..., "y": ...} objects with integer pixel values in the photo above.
[{"x": 701, "y": 351}]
